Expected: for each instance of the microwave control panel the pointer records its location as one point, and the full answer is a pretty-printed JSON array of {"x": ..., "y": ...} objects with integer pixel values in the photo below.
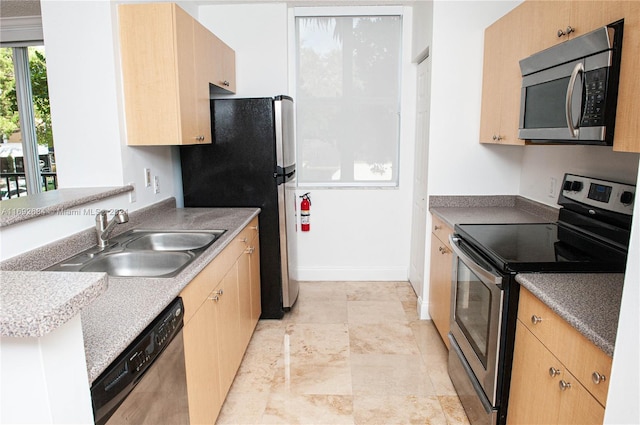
[
  {"x": 603, "y": 194},
  {"x": 595, "y": 89}
]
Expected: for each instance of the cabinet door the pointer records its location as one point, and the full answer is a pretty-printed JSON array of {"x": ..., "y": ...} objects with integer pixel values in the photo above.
[
  {"x": 502, "y": 80},
  {"x": 244, "y": 297},
  {"x": 577, "y": 406},
  {"x": 201, "y": 361},
  {"x": 256, "y": 301},
  {"x": 627, "y": 123},
  {"x": 226, "y": 59},
  {"x": 204, "y": 46},
  {"x": 543, "y": 21},
  {"x": 534, "y": 395},
  {"x": 511, "y": 78},
  {"x": 586, "y": 16},
  {"x": 228, "y": 328},
  {"x": 440, "y": 286},
  {"x": 490, "y": 112},
  {"x": 186, "y": 76}
]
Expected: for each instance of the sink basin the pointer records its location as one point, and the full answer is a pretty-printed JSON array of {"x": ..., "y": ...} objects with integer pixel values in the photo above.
[
  {"x": 143, "y": 253},
  {"x": 172, "y": 241},
  {"x": 140, "y": 263}
]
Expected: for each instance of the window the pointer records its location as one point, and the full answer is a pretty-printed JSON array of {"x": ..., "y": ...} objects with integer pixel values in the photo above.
[
  {"x": 348, "y": 99},
  {"x": 27, "y": 161}
]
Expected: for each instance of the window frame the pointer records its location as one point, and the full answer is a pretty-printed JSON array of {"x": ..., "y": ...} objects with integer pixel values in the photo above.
[
  {"x": 18, "y": 34},
  {"x": 347, "y": 11}
]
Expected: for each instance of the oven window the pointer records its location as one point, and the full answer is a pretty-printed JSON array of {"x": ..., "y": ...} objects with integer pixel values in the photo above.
[
  {"x": 545, "y": 104},
  {"x": 473, "y": 310}
]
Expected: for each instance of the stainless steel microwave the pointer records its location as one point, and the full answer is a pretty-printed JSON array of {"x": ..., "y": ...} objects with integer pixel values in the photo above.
[{"x": 570, "y": 91}]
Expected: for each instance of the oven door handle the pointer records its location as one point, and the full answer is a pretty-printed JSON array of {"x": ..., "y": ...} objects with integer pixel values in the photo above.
[{"x": 474, "y": 265}]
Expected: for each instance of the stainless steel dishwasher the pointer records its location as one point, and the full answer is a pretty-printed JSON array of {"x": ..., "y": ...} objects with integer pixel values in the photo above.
[{"x": 147, "y": 383}]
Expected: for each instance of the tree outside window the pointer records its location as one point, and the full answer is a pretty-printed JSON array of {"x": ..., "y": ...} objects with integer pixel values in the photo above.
[
  {"x": 348, "y": 99},
  {"x": 12, "y": 149}
]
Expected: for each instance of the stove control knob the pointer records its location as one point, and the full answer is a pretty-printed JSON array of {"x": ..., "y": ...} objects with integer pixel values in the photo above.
[
  {"x": 576, "y": 186},
  {"x": 626, "y": 197}
]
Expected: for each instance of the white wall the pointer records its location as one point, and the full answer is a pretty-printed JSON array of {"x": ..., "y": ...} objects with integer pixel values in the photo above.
[
  {"x": 85, "y": 90},
  {"x": 542, "y": 163},
  {"x": 624, "y": 387},
  {"x": 458, "y": 163},
  {"x": 355, "y": 234},
  {"x": 259, "y": 35},
  {"x": 82, "y": 47}
]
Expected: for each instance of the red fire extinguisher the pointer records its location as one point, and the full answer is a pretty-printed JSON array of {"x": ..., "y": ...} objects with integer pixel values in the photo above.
[{"x": 305, "y": 205}]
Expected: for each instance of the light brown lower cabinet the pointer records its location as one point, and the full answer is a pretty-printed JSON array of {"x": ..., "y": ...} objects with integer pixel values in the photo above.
[
  {"x": 544, "y": 388},
  {"x": 220, "y": 317},
  {"x": 440, "y": 278}
]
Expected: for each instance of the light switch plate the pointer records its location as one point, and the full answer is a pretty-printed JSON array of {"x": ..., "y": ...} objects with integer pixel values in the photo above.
[
  {"x": 147, "y": 177},
  {"x": 132, "y": 194}
]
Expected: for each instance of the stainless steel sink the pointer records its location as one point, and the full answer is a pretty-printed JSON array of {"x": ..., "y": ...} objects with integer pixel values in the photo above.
[
  {"x": 143, "y": 253},
  {"x": 140, "y": 263},
  {"x": 171, "y": 241}
]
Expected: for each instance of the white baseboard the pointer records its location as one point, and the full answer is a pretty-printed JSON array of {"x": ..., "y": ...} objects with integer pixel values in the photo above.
[
  {"x": 352, "y": 274},
  {"x": 423, "y": 309}
]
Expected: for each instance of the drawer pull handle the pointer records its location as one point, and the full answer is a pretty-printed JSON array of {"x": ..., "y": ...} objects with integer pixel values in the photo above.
[
  {"x": 218, "y": 292},
  {"x": 214, "y": 298},
  {"x": 250, "y": 250},
  {"x": 553, "y": 371},
  {"x": 243, "y": 240},
  {"x": 597, "y": 378},
  {"x": 564, "y": 385},
  {"x": 536, "y": 319},
  {"x": 442, "y": 250},
  {"x": 436, "y": 227}
]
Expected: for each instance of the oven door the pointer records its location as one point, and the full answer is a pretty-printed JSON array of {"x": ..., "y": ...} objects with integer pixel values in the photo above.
[{"x": 476, "y": 316}]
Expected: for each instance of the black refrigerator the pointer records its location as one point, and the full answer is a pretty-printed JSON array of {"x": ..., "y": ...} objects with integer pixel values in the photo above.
[{"x": 251, "y": 163}]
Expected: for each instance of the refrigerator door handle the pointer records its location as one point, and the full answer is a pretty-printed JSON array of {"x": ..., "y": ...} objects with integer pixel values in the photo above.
[{"x": 282, "y": 175}]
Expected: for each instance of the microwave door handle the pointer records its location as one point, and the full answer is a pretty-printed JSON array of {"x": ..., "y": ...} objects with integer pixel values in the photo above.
[
  {"x": 577, "y": 70},
  {"x": 473, "y": 265}
]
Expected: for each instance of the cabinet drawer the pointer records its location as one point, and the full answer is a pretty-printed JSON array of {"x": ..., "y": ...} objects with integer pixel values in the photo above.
[
  {"x": 201, "y": 286},
  {"x": 197, "y": 291},
  {"x": 441, "y": 229},
  {"x": 244, "y": 239},
  {"x": 577, "y": 353}
]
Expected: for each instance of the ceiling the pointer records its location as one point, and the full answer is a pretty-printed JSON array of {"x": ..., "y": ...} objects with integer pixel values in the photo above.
[{"x": 15, "y": 8}]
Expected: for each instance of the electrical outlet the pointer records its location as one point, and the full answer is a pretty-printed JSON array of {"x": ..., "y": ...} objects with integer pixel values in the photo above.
[
  {"x": 147, "y": 177},
  {"x": 553, "y": 185},
  {"x": 156, "y": 184},
  {"x": 132, "y": 194}
]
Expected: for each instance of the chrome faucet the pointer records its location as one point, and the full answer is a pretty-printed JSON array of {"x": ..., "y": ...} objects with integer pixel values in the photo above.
[{"x": 104, "y": 227}]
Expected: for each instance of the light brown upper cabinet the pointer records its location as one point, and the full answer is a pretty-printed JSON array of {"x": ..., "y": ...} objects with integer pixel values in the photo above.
[
  {"x": 501, "y": 80},
  {"x": 169, "y": 61},
  {"x": 534, "y": 26}
]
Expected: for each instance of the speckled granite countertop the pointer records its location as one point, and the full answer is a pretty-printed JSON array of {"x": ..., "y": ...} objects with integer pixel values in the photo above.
[
  {"x": 130, "y": 304},
  {"x": 490, "y": 209},
  {"x": 17, "y": 210},
  {"x": 33, "y": 304},
  {"x": 588, "y": 302},
  {"x": 113, "y": 319}
]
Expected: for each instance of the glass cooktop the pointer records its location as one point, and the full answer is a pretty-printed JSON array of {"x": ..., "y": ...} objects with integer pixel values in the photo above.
[{"x": 542, "y": 247}]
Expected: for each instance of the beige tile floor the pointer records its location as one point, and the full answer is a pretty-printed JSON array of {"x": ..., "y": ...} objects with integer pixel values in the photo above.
[{"x": 347, "y": 353}]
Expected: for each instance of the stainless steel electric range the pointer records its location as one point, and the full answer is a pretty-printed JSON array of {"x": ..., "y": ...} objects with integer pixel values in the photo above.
[{"x": 591, "y": 235}]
